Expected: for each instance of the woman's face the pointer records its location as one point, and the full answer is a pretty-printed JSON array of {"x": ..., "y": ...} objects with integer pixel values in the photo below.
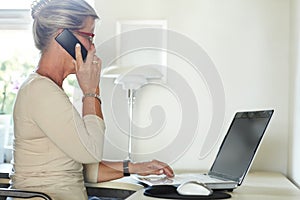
[{"x": 86, "y": 34}]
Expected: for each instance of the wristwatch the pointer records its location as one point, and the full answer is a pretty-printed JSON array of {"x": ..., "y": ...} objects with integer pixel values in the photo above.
[{"x": 126, "y": 168}]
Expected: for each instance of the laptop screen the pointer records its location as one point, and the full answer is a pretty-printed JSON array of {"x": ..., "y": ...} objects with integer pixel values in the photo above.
[{"x": 240, "y": 144}]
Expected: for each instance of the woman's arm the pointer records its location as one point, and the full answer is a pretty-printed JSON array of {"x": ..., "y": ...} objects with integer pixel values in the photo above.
[
  {"x": 88, "y": 76},
  {"x": 110, "y": 170}
]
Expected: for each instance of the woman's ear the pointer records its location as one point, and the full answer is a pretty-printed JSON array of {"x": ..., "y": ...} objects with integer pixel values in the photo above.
[
  {"x": 55, "y": 44},
  {"x": 60, "y": 30}
]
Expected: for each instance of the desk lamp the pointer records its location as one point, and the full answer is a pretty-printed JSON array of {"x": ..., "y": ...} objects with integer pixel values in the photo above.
[{"x": 131, "y": 79}]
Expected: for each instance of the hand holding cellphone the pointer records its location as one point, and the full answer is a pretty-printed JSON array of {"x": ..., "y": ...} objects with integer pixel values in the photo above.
[{"x": 68, "y": 41}]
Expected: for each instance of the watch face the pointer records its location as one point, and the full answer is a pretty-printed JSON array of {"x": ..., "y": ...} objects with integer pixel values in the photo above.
[{"x": 126, "y": 168}]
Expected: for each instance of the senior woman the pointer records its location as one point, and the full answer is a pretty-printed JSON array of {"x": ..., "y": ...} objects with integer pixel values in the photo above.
[{"x": 55, "y": 147}]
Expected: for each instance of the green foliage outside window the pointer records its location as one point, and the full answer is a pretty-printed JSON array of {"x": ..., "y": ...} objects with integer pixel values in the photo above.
[{"x": 12, "y": 73}]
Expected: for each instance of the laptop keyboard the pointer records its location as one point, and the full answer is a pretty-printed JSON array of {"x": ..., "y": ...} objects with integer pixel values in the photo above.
[{"x": 178, "y": 179}]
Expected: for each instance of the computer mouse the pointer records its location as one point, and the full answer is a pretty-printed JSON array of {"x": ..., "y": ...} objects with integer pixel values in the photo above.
[{"x": 194, "y": 188}]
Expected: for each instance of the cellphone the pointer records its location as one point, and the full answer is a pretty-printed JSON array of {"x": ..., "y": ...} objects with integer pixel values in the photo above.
[{"x": 68, "y": 41}]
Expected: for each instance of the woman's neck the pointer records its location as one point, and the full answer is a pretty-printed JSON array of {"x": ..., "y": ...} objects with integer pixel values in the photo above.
[
  {"x": 52, "y": 68},
  {"x": 55, "y": 64}
]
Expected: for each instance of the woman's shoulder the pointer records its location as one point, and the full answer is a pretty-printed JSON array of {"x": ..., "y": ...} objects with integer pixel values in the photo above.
[
  {"x": 37, "y": 82},
  {"x": 37, "y": 87}
]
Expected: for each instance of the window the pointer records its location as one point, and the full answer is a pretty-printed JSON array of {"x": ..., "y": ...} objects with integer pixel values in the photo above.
[{"x": 17, "y": 59}]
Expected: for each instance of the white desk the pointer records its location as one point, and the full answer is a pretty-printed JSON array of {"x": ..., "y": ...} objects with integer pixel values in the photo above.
[{"x": 256, "y": 186}]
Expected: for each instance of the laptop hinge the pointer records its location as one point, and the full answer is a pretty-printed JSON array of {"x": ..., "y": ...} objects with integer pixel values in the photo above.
[{"x": 222, "y": 176}]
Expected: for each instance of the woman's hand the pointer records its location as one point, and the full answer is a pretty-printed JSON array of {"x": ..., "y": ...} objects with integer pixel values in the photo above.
[
  {"x": 88, "y": 72},
  {"x": 152, "y": 167}
]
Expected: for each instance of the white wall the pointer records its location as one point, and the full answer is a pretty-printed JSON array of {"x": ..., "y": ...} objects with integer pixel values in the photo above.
[
  {"x": 248, "y": 41},
  {"x": 294, "y": 140}
]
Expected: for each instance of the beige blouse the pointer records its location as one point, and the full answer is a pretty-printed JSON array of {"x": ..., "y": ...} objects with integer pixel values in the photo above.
[{"x": 52, "y": 141}]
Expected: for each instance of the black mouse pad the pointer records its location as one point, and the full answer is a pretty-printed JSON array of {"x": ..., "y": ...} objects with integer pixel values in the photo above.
[{"x": 170, "y": 192}]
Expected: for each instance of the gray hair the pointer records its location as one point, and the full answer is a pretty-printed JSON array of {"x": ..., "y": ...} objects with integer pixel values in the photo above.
[{"x": 51, "y": 15}]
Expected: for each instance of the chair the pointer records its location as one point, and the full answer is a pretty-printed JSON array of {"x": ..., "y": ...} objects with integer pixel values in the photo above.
[{"x": 6, "y": 192}]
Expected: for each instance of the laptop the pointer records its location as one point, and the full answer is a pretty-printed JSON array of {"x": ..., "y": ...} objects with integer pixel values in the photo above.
[{"x": 234, "y": 157}]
